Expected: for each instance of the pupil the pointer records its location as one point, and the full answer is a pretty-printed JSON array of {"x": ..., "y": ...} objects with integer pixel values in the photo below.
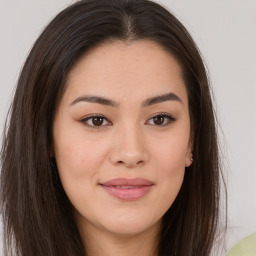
[
  {"x": 97, "y": 121},
  {"x": 158, "y": 120}
]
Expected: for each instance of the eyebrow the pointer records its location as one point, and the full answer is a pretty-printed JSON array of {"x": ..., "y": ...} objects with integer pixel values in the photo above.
[
  {"x": 96, "y": 99},
  {"x": 108, "y": 102},
  {"x": 161, "y": 98}
]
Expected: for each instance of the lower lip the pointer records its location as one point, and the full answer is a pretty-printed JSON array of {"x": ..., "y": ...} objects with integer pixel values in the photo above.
[{"x": 128, "y": 193}]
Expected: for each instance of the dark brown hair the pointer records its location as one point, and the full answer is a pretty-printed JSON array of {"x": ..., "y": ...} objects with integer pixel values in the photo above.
[{"x": 37, "y": 214}]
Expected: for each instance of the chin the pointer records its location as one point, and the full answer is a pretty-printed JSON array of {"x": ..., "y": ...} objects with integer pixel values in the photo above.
[{"x": 129, "y": 226}]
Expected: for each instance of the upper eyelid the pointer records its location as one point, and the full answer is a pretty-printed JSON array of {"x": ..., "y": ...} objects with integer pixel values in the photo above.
[
  {"x": 161, "y": 114},
  {"x": 94, "y": 115},
  {"x": 166, "y": 115},
  {"x": 152, "y": 116},
  {"x": 86, "y": 118},
  {"x": 169, "y": 117}
]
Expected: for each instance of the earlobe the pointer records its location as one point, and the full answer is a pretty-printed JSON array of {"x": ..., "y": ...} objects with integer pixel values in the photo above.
[
  {"x": 189, "y": 156},
  {"x": 189, "y": 159}
]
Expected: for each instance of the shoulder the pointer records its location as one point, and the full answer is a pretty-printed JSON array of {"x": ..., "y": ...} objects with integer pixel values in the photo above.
[{"x": 246, "y": 247}]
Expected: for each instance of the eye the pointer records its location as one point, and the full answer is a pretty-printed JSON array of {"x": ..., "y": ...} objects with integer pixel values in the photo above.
[
  {"x": 95, "y": 121},
  {"x": 161, "y": 120}
]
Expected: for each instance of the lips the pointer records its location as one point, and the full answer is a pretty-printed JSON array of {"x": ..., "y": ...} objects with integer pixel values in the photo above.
[{"x": 127, "y": 189}]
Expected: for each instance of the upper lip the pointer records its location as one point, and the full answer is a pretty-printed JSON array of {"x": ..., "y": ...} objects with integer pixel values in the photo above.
[{"x": 127, "y": 182}]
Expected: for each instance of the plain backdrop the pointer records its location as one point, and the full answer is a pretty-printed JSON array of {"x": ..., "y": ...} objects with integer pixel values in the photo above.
[{"x": 225, "y": 31}]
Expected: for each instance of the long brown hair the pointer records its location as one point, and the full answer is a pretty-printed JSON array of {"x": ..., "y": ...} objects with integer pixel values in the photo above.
[{"x": 37, "y": 214}]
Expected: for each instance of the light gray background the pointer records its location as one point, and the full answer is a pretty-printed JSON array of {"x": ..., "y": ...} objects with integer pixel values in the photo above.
[{"x": 225, "y": 31}]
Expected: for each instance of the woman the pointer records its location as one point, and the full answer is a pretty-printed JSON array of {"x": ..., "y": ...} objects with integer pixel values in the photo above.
[{"x": 111, "y": 147}]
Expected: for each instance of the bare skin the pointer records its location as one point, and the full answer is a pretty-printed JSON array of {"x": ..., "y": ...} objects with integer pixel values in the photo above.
[
  {"x": 100, "y": 244},
  {"x": 124, "y": 115}
]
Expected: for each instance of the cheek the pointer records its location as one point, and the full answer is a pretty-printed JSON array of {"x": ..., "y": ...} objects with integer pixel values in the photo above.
[
  {"x": 79, "y": 164},
  {"x": 169, "y": 160},
  {"x": 79, "y": 161},
  {"x": 170, "y": 153},
  {"x": 76, "y": 153}
]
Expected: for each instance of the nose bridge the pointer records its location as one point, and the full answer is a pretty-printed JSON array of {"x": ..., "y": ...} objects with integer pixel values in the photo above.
[
  {"x": 130, "y": 148},
  {"x": 131, "y": 139}
]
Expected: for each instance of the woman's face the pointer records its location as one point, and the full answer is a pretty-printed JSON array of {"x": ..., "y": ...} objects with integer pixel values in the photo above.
[{"x": 122, "y": 137}]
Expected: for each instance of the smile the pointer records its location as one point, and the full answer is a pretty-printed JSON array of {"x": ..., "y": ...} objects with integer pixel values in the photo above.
[{"x": 127, "y": 189}]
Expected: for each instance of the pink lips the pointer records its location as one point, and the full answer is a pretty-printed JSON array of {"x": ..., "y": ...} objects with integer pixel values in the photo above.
[{"x": 127, "y": 189}]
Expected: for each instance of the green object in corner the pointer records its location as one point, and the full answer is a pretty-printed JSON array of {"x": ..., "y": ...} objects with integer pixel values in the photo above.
[{"x": 246, "y": 247}]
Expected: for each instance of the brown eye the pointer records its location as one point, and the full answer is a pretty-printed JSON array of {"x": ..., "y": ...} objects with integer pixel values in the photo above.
[
  {"x": 158, "y": 120},
  {"x": 161, "y": 120},
  {"x": 95, "y": 121}
]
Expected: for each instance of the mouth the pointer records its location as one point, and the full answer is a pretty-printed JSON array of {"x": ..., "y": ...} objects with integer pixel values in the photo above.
[{"x": 127, "y": 189}]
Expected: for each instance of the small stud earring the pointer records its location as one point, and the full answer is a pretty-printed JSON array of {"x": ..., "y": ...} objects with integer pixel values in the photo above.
[{"x": 191, "y": 159}]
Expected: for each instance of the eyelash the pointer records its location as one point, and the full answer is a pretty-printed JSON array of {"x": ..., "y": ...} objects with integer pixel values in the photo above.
[{"x": 167, "y": 117}]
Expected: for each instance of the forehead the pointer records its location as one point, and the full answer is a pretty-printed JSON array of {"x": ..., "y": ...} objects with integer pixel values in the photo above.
[{"x": 126, "y": 69}]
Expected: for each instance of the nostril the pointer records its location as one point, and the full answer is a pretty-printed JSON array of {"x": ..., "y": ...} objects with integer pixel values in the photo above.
[{"x": 140, "y": 162}]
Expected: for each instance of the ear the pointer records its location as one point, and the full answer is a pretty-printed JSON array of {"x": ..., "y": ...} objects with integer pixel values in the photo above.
[{"x": 189, "y": 155}]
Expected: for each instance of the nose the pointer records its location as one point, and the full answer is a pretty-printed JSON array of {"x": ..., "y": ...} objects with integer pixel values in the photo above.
[{"x": 129, "y": 148}]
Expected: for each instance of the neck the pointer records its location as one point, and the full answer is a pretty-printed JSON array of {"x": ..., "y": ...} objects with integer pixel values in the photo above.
[{"x": 103, "y": 243}]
